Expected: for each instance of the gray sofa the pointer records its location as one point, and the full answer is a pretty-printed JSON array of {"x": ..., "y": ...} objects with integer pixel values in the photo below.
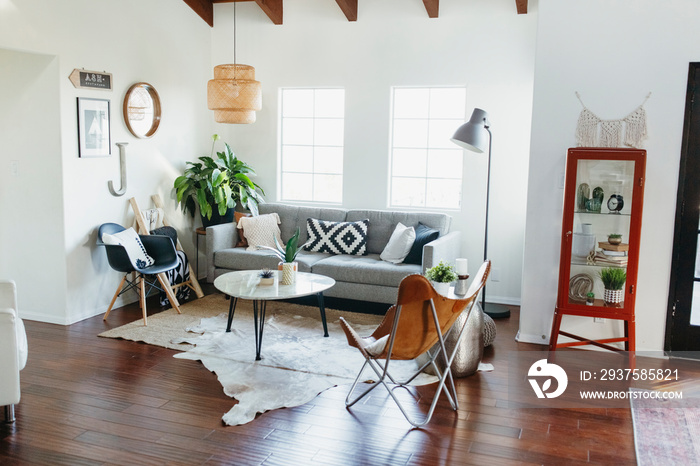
[{"x": 366, "y": 278}]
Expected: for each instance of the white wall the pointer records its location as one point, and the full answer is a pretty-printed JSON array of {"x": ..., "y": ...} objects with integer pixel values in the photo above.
[
  {"x": 614, "y": 53},
  {"x": 484, "y": 45},
  {"x": 162, "y": 42},
  {"x": 31, "y": 181}
]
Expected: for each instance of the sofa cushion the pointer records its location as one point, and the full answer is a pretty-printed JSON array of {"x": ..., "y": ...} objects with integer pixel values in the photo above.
[
  {"x": 261, "y": 230},
  {"x": 399, "y": 244},
  {"x": 382, "y": 224},
  {"x": 364, "y": 269},
  {"x": 242, "y": 259},
  {"x": 242, "y": 242},
  {"x": 337, "y": 237},
  {"x": 293, "y": 217},
  {"x": 424, "y": 235}
]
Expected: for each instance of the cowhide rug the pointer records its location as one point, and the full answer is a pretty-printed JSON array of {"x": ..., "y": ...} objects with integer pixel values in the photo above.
[{"x": 297, "y": 362}]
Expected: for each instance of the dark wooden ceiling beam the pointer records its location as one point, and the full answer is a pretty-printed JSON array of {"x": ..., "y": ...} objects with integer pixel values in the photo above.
[
  {"x": 349, "y": 8},
  {"x": 432, "y": 7},
  {"x": 204, "y": 8},
  {"x": 272, "y": 8},
  {"x": 521, "y": 5}
]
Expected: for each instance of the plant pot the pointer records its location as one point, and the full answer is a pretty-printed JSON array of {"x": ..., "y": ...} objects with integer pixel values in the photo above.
[
  {"x": 267, "y": 282},
  {"x": 442, "y": 288},
  {"x": 217, "y": 219},
  {"x": 613, "y": 296},
  {"x": 616, "y": 240},
  {"x": 288, "y": 272}
]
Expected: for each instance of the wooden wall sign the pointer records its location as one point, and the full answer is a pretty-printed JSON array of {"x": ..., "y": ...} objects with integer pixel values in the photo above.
[{"x": 83, "y": 79}]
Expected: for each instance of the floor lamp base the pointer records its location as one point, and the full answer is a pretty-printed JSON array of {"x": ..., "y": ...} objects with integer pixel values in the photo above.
[{"x": 496, "y": 311}]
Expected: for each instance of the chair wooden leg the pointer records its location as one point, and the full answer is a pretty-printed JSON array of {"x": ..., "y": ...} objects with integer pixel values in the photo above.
[
  {"x": 165, "y": 283},
  {"x": 142, "y": 287},
  {"x": 119, "y": 289}
]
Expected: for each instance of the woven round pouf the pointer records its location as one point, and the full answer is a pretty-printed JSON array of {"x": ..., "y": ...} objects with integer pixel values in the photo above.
[{"x": 489, "y": 330}]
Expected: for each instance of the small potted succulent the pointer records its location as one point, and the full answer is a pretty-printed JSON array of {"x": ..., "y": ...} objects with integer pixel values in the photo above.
[
  {"x": 287, "y": 254},
  {"x": 441, "y": 276},
  {"x": 613, "y": 279},
  {"x": 614, "y": 238},
  {"x": 267, "y": 277}
]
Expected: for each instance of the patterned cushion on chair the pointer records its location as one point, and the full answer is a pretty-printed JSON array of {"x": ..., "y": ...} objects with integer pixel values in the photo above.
[
  {"x": 130, "y": 240},
  {"x": 337, "y": 237}
]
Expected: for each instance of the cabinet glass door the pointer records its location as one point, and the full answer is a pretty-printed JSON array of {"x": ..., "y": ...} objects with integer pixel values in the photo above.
[{"x": 601, "y": 229}]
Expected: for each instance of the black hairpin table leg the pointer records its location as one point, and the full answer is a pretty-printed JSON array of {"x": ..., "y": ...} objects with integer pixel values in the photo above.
[
  {"x": 259, "y": 325},
  {"x": 322, "y": 308},
  {"x": 231, "y": 310}
]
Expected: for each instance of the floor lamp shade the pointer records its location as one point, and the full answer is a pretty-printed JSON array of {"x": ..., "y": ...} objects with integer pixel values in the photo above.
[
  {"x": 234, "y": 94},
  {"x": 473, "y": 135}
]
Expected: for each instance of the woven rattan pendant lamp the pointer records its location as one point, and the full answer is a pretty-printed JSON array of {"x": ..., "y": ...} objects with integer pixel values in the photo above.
[{"x": 234, "y": 94}]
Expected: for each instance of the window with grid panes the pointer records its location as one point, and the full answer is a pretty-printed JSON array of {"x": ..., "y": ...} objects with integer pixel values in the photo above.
[
  {"x": 426, "y": 167},
  {"x": 311, "y": 144}
]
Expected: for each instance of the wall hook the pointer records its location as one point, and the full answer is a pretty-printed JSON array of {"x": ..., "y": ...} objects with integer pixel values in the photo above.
[{"x": 122, "y": 169}]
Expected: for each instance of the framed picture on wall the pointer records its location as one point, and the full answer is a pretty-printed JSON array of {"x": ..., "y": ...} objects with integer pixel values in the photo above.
[{"x": 94, "y": 139}]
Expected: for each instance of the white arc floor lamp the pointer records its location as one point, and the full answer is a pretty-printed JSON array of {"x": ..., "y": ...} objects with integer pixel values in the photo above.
[{"x": 475, "y": 136}]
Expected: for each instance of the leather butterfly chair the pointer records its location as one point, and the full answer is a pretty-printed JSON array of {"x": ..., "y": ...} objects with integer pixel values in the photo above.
[
  {"x": 420, "y": 319},
  {"x": 160, "y": 248}
]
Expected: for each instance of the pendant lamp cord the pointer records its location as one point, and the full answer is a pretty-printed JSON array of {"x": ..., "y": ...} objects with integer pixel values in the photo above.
[{"x": 234, "y": 41}]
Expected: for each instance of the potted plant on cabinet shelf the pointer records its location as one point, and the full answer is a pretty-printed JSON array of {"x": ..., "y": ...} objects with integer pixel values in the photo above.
[
  {"x": 287, "y": 255},
  {"x": 613, "y": 279},
  {"x": 441, "y": 276},
  {"x": 614, "y": 238},
  {"x": 216, "y": 186}
]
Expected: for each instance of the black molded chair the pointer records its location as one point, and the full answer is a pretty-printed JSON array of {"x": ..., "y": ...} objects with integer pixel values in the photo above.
[{"x": 160, "y": 248}]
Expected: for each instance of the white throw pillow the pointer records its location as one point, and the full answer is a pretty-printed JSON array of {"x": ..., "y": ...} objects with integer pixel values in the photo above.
[
  {"x": 399, "y": 244},
  {"x": 377, "y": 348},
  {"x": 261, "y": 230},
  {"x": 130, "y": 240}
]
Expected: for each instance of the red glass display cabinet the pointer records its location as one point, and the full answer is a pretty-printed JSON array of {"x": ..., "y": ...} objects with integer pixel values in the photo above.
[{"x": 601, "y": 227}]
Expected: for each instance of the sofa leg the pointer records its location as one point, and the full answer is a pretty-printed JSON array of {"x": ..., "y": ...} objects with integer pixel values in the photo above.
[{"x": 9, "y": 414}]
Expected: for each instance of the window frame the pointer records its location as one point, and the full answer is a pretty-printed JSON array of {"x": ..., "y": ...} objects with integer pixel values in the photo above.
[
  {"x": 280, "y": 148},
  {"x": 425, "y": 176}
]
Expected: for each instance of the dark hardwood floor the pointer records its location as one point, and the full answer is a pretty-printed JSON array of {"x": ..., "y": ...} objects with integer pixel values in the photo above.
[{"x": 89, "y": 400}]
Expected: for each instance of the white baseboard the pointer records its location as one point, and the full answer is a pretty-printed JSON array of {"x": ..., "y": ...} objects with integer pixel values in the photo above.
[{"x": 502, "y": 300}]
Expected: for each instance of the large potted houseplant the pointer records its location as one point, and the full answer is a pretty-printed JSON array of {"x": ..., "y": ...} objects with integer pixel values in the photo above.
[
  {"x": 287, "y": 255},
  {"x": 217, "y": 185},
  {"x": 613, "y": 279},
  {"x": 441, "y": 276}
]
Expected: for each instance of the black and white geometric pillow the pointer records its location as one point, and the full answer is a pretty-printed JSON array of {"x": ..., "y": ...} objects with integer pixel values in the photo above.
[{"x": 337, "y": 237}]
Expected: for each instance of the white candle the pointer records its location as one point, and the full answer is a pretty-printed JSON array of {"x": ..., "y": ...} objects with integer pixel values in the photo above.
[{"x": 461, "y": 267}]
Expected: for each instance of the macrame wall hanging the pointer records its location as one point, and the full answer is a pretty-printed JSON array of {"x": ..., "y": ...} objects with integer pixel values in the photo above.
[{"x": 593, "y": 131}]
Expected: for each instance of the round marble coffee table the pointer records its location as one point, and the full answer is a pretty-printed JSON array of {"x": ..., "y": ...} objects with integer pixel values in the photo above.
[{"x": 245, "y": 284}]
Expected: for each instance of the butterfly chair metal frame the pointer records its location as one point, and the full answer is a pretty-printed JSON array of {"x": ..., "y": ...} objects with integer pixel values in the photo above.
[
  {"x": 159, "y": 247},
  {"x": 421, "y": 319}
]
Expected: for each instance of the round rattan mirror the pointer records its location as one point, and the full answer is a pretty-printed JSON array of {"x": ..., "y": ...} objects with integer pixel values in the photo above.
[{"x": 142, "y": 110}]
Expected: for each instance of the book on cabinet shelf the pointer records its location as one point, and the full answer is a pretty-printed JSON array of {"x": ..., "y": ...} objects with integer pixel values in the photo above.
[{"x": 602, "y": 258}]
